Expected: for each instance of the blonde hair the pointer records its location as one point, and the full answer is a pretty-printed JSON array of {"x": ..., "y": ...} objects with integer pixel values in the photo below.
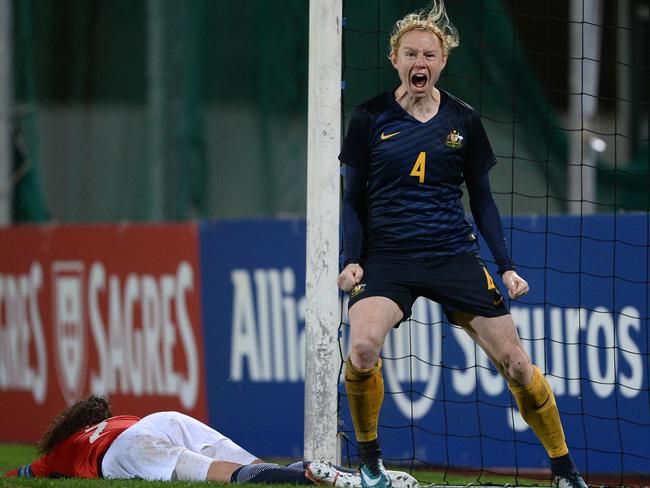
[{"x": 433, "y": 20}]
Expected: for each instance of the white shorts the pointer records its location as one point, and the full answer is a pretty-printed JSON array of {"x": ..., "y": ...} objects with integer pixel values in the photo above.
[{"x": 150, "y": 448}]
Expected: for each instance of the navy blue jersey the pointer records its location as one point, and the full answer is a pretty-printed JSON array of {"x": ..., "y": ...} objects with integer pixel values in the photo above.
[{"x": 414, "y": 171}]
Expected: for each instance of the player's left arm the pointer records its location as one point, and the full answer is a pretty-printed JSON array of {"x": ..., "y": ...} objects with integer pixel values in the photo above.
[
  {"x": 516, "y": 285},
  {"x": 487, "y": 218}
]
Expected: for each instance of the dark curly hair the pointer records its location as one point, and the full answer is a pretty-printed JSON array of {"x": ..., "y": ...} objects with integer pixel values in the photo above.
[{"x": 80, "y": 415}]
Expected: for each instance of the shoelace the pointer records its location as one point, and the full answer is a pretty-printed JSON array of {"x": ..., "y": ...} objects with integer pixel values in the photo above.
[{"x": 374, "y": 469}]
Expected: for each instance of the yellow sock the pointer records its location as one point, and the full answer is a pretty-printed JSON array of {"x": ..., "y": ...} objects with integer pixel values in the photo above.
[
  {"x": 365, "y": 388},
  {"x": 537, "y": 405}
]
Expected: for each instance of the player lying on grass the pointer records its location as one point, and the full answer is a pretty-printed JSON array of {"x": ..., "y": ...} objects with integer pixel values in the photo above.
[{"x": 87, "y": 441}]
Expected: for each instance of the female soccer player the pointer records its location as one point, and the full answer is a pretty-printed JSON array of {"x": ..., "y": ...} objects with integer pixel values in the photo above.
[
  {"x": 406, "y": 154},
  {"x": 87, "y": 441}
]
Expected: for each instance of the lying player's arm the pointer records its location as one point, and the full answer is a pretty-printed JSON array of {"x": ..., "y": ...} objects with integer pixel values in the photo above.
[
  {"x": 40, "y": 468},
  {"x": 22, "y": 472}
]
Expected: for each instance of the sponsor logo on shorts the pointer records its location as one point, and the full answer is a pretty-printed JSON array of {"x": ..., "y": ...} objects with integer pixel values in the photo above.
[{"x": 360, "y": 288}]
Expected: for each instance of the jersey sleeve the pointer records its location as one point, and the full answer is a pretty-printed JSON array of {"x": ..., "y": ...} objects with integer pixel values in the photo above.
[
  {"x": 355, "y": 155},
  {"x": 355, "y": 150},
  {"x": 479, "y": 157},
  {"x": 37, "y": 469},
  {"x": 488, "y": 221},
  {"x": 353, "y": 214}
]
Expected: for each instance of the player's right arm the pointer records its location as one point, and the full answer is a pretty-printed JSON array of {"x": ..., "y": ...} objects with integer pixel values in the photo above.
[
  {"x": 353, "y": 228},
  {"x": 355, "y": 158}
]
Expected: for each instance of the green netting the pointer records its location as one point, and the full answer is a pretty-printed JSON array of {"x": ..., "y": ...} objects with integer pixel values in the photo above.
[{"x": 489, "y": 71}]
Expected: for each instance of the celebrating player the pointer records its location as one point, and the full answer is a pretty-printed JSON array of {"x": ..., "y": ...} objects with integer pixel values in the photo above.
[
  {"x": 87, "y": 441},
  {"x": 406, "y": 154}
]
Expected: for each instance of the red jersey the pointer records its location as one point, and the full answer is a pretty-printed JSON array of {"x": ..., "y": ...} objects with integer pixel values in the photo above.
[{"x": 81, "y": 454}]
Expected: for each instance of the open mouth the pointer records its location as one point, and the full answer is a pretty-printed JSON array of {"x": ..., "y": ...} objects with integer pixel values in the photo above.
[{"x": 419, "y": 80}]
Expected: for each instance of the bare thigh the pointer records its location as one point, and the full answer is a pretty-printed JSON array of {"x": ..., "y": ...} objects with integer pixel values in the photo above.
[
  {"x": 498, "y": 337},
  {"x": 370, "y": 321}
]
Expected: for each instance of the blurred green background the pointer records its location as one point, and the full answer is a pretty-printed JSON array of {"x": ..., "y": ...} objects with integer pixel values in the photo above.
[{"x": 168, "y": 110}]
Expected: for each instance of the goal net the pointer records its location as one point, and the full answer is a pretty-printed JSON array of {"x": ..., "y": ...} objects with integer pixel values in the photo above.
[{"x": 562, "y": 91}]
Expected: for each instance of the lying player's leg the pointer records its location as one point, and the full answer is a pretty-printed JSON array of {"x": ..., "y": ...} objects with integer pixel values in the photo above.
[
  {"x": 267, "y": 473},
  {"x": 192, "y": 467},
  {"x": 171, "y": 445},
  {"x": 327, "y": 474}
]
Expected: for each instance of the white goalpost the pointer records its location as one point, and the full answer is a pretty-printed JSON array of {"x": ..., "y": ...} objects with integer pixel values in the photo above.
[{"x": 323, "y": 187}]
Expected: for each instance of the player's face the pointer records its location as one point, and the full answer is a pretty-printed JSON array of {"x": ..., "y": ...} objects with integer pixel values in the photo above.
[{"x": 419, "y": 60}]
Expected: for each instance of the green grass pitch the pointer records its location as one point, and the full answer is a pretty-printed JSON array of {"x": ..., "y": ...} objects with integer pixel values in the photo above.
[{"x": 15, "y": 455}]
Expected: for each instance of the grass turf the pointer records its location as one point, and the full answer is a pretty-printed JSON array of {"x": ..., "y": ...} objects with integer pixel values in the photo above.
[{"x": 15, "y": 455}]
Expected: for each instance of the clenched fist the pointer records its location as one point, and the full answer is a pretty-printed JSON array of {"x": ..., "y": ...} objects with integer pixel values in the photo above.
[
  {"x": 516, "y": 285},
  {"x": 350, "y": 277}
]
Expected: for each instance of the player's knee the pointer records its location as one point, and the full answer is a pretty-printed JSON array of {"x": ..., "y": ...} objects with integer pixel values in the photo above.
[
  {"x": 364, "y": 354},
  {"x": 516, "y": 369}
]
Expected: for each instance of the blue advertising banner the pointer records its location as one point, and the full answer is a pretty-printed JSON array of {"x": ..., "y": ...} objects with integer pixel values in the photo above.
[
  {"x": 253, "y": 292},
  {"x": 583, "y": 322}
]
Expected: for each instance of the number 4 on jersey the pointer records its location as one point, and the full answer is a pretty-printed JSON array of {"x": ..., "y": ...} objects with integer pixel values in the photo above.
[{"x": 419, "y": 168}]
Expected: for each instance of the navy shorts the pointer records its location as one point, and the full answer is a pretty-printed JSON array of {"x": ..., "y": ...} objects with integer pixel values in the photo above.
[{"x": 459, "y": 284}]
